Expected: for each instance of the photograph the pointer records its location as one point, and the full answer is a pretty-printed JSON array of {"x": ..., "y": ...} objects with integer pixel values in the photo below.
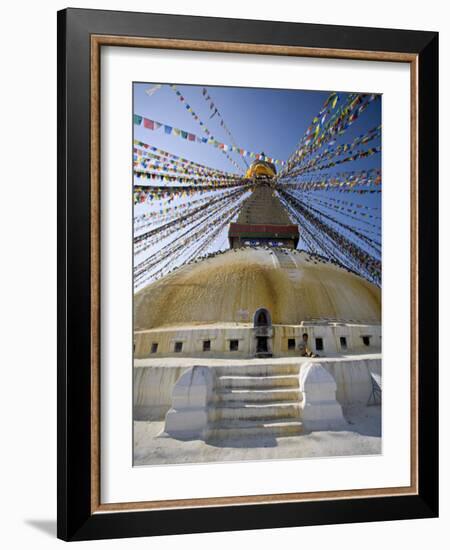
[
  {"x": 257, "y": 273},
  {"x": 247, "y": 261}
]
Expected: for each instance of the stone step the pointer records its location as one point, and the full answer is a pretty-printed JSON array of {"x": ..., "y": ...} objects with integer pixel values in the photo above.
[
  {"x": 254, "y": 428},
  {"x": 285, "y": 259},
  {"x": 245, "y": 411},
  {"x": 257, "y": 370},
  {"x": 256, "y": 396},
  {"x": 257, "y": 382}
]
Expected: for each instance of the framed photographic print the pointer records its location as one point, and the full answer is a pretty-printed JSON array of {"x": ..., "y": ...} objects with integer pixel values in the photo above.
[{"x": 247, "y": 274}]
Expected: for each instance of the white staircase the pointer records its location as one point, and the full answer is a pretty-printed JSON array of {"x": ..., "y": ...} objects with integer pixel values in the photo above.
[
  {"x": 255, "y": 400},
  {"x": 287, "y": 262}
]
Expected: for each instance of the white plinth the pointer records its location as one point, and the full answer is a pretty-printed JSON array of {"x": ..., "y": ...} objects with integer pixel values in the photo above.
[{"x": 319, "y": 407}]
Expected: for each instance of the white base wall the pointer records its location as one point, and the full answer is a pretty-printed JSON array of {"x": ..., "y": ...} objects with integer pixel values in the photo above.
[
  {"x": 354, "y": 384},
  {"x": 153, "y": 388},
  {"x": 191, "y": 339}
]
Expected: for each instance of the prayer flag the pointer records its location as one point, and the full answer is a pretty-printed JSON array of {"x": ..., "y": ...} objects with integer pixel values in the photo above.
[
  {"x": 149, "y": 124},
  {"x": 151, "y": 91}
]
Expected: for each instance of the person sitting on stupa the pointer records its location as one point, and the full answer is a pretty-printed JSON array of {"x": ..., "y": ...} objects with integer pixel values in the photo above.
[{"x": 303, "y": 347}]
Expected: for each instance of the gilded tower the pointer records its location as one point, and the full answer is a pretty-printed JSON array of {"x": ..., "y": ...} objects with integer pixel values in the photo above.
[{"x": 263, "y": 221}]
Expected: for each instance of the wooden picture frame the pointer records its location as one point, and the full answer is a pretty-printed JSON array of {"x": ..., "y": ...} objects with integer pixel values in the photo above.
[{"x": 81, "y": 35}]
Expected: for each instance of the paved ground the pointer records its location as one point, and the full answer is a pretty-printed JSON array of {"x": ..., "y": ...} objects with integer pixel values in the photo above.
[{"x": 363, "y": 437}]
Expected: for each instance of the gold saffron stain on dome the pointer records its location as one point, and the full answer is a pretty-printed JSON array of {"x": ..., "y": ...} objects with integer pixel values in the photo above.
[{"x": 293, "y": 286}]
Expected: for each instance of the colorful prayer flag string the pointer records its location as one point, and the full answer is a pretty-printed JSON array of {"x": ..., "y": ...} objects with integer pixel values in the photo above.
[{"x": 171, "y": 130}]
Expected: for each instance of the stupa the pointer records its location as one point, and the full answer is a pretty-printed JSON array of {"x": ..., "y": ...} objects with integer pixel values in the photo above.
[{"x": 254, "y": 302}]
